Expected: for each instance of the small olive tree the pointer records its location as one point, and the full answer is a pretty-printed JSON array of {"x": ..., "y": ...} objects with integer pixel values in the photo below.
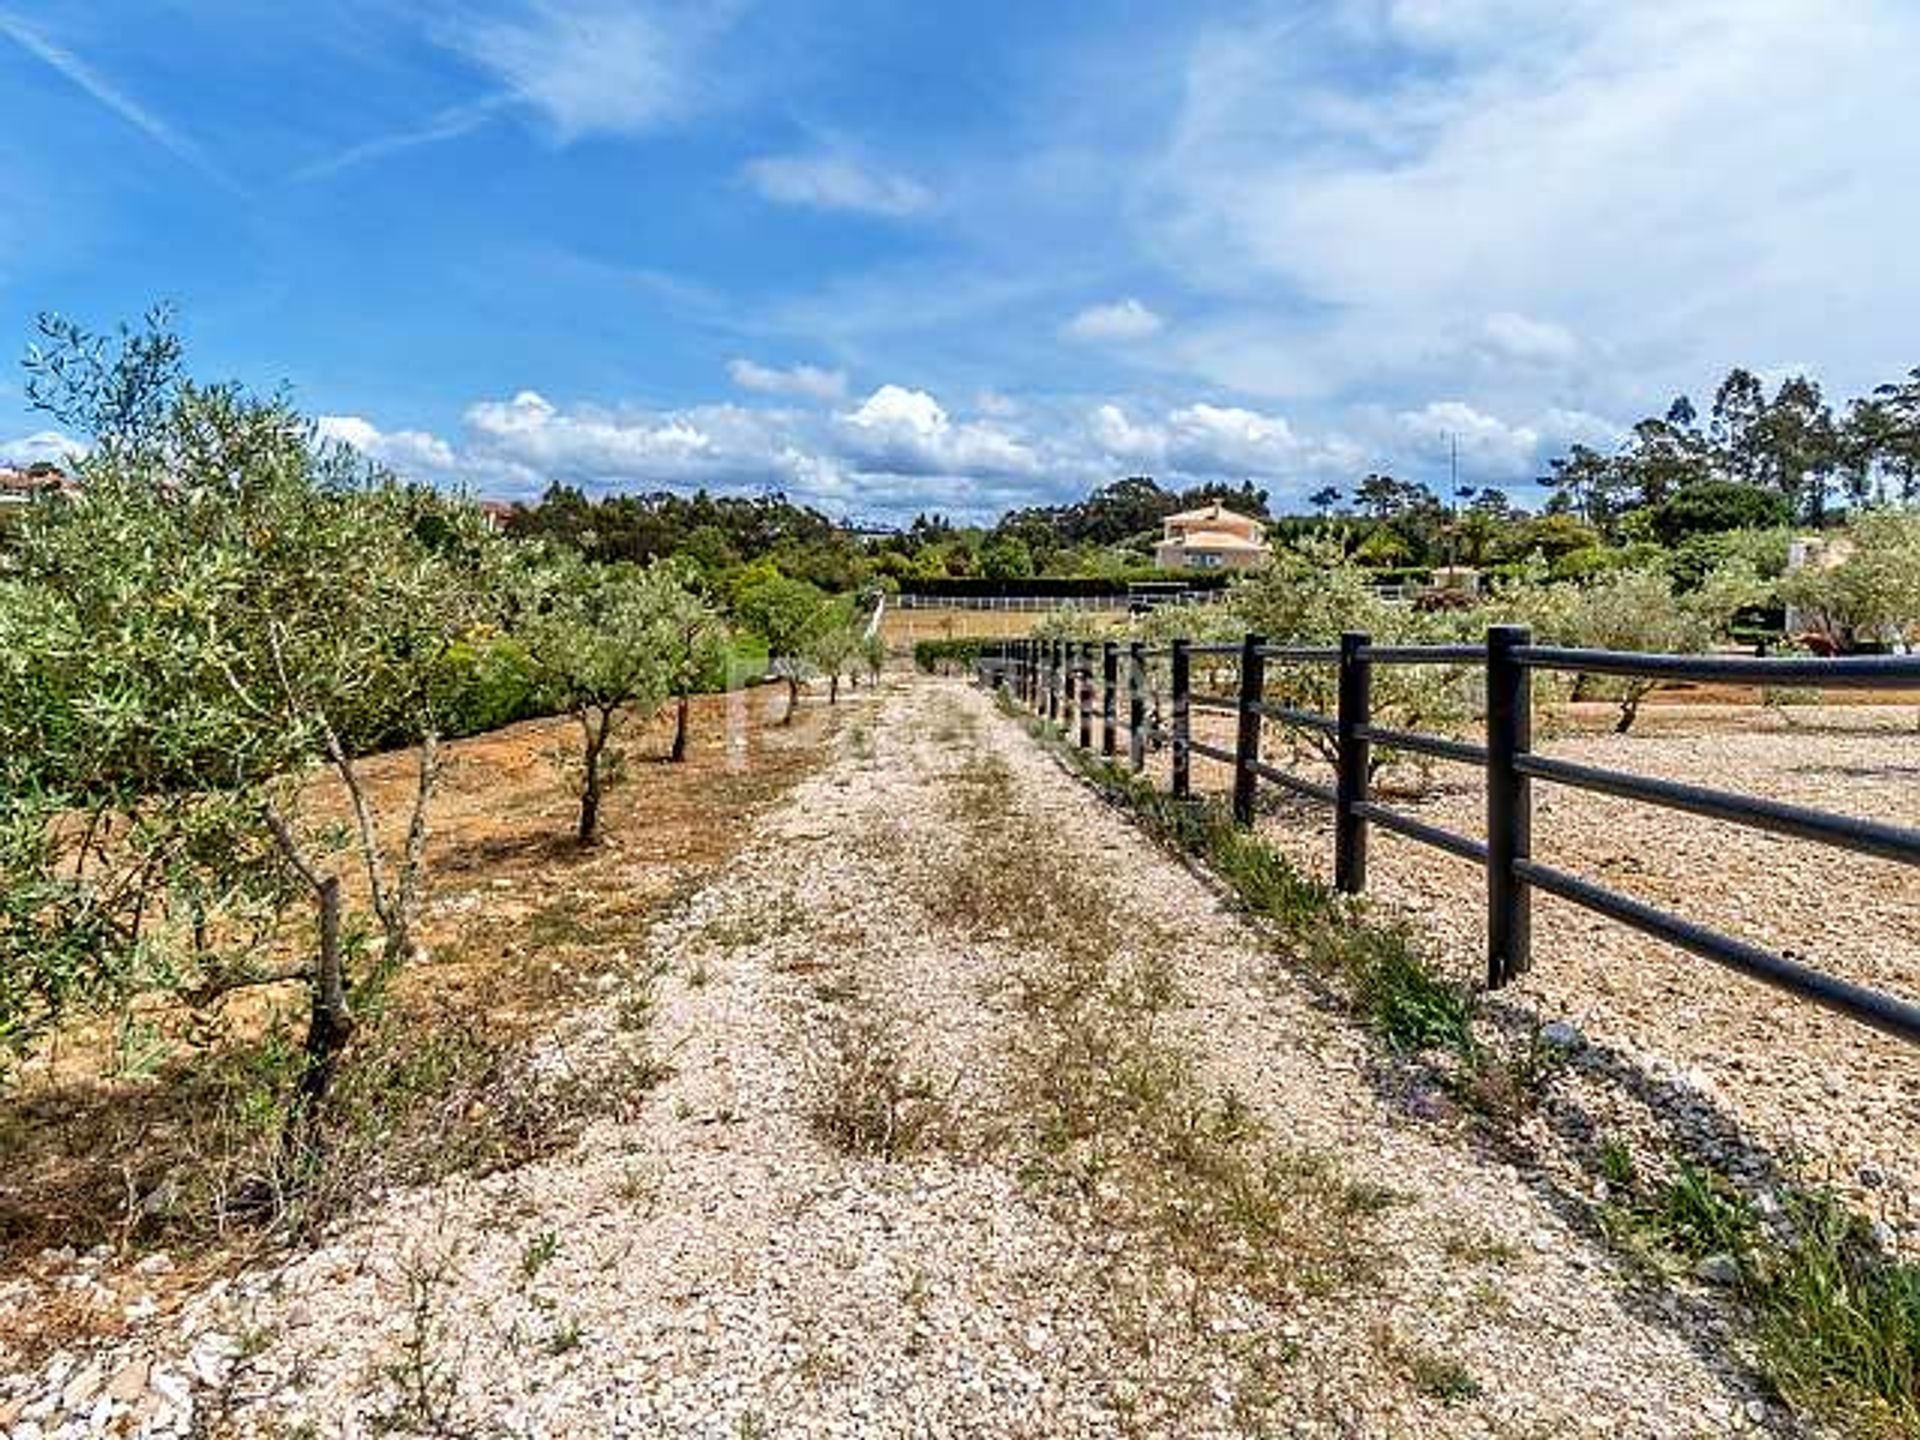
[
  {"x": 692, "y": 639},
  {"x": 1309, "y": 597},
  {"x": 834, "y": 650},
  {"x": 791, "y": 616},
  {"x": 1633, "y": 610},
  {"x": 607, "y": 644}
]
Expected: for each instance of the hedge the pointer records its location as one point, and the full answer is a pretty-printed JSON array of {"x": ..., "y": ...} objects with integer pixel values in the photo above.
[{"x": 946, "y": 656}]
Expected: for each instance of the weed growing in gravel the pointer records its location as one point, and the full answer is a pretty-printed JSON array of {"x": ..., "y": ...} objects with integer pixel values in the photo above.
[
  {"x": 1439, "y": 1377},
  {"x": 1617, "y": 1167},
  {"x": 1838, "y": 1320},
  {"x": 539, "y": 1254},
  {"x": 868, "y": 1102},
  {"x": 1123, "y": 1125},
  {"x": 425, "y": 1374}
]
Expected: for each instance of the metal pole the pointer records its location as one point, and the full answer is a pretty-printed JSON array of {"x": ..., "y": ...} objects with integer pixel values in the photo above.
[
  {"x": 1084, "y": 677},
  {"x": 1109, "y": 702},
  {"x": 1182, "y": 721},
  {"x": 1137, "y": 706},
  {"x": 1246, "y": 750},
  {"x": 1509, "y": 806},
  {"x": 1354, "y": 756},
  {"x": 1053, "y": 680}
]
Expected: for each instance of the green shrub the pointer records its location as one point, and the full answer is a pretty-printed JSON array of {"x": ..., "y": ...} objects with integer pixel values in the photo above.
[{"x": 946, "y": 656}]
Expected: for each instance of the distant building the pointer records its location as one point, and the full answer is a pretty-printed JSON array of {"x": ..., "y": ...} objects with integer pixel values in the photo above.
[
  {"x": 21, "y": 487},
  {"x": 497, "y": 513},
  {"x": 1211, "y": 538}
]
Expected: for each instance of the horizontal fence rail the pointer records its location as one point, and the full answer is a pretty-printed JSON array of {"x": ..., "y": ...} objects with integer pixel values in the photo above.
[{"x": 1067, "y": 680}]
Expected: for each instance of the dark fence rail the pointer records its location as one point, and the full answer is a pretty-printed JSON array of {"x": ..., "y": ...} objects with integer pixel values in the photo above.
[{"x": 1065, "y": 680}]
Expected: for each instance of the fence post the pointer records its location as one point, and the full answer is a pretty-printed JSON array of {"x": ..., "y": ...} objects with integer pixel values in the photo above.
[
  {"x": 1509, "y": 806},
  {"x": 1083, "y": 681},
  {"x": 1246, "y": 749},
  {"x": 1182, "y": 686},
  {"x": 1354, "y": 755},
  {"x": 1137, "y": 706},
  {"x": 1053, "y": 680},
  {"x": 1109, "y": 702}
]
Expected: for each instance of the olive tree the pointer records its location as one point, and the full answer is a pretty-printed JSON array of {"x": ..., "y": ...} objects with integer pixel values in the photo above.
[
  {"x": 834, "y": 650},
  {"x": 229, "y": 607},
  {"x": 1310, "y": 597},
  {"x": 609, "y": 646},
  {"x": 1633, "y": 610},
  {"x": 692, "y": 640},
  {"x": 1872, "y": 592},
  {"x": 790, "y": 615}
]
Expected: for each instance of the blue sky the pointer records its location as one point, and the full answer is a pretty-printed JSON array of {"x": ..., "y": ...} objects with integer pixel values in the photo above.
[{"x": 893, "y": 257}]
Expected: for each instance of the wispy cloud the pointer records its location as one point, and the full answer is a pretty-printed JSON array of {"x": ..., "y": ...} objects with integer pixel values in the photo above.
[
  {"x": 596, "y": 66},
  {"x": 449, "y": 124},
  {"x": 1120, "y": 322},
  {"x": 90, "y": 82},
  {"x": 835, "y": 182}
]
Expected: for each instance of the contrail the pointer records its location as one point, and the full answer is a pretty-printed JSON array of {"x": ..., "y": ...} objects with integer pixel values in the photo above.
[
  {"x": 77, "y": 71},
  {"x": 446, "y": 125}
]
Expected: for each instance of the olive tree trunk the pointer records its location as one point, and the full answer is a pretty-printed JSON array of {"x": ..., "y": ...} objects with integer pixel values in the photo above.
[{"x": 679, "y": 750}]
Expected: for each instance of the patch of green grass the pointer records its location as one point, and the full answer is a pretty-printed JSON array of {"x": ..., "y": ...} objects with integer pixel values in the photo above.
[
  {"x": 1699, "y": 1213},
  {"x": 1617, "y": 1167},
  {"x": 1840, "y": 1323},
  {"x": 1440, "y": 1377},
  {"x": 538, "y": 1254},
  {"x": 1837, "y": 1319}
]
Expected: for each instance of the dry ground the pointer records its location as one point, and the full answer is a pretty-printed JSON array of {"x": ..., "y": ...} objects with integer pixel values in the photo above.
[
  {"x": 975, "y": 1116},
  {"x": 903, "y": 627}
]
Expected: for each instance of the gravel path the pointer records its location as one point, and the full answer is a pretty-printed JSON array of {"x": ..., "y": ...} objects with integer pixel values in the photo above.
[{"x": 715, "y": 1266}]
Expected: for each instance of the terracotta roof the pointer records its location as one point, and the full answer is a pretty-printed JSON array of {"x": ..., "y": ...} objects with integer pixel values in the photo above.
[
  {"x": 1215, "y": 511},
  {"x": 18, "y": 482},
  {"x": 1214, "y": 540}
]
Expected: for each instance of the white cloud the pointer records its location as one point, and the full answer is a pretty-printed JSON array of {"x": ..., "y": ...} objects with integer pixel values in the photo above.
[
  {"x": 1527, "y": 340},
  {"x": 1494, "y": 451},
  {"x": 531, "y": 431},
  {"x": 809, "y": 381},
  {"x": 409, "y": 452},
  {"x": 899, "y": 431},
  {"x": 1220, "y": 442},
  {"x": 598, "y": 66},
  {"x": 48, "y": 446},
  {"x": 1119, "y": 322},
  {"x": 1593, "y": 204},
  {"x": 835, "y": 182}
]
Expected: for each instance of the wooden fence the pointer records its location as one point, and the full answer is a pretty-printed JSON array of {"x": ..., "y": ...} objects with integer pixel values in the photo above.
[{"x": 1076, "y": 684}]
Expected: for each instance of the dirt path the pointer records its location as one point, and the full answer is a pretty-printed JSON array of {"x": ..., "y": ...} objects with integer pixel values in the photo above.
[{"x": 978, "y": 1117}]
